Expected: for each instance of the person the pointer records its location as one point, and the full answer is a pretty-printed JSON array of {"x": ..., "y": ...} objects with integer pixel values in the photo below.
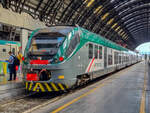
[
  {"x": 19, "y": 56},
  {"x": 11, "y": 66}
]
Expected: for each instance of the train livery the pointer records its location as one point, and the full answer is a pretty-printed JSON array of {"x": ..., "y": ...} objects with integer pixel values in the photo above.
[{"x": 60, "y": 57}]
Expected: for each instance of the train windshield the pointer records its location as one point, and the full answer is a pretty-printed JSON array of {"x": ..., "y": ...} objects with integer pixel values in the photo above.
[{"x": 46, "y": 44}]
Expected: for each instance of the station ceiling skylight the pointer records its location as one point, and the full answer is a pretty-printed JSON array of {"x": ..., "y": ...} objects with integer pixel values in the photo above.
[{"x": 124, "y": 21}]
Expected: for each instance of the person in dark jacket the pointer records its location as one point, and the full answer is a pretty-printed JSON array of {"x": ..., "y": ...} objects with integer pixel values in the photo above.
[{"x": 11, "y": 66}]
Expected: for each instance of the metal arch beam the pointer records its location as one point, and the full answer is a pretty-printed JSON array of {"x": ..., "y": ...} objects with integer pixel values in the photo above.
[
  {"x": 74, "y": 5},
  {"x": 135, "y": 14},
  {"x": 87, "y": 13},
  {"x": 134, "y": 9},
  {"x": 123, "y": 26},
  {"x": 123, "y": 9},
  {"x": 129, "y": 3},
  {"x": 145, "y": 27},
  {"x": 4, "y": 3},
  {"x": 39, "y": 4},
  {"x": 139, "y": 24},
  {"x": 142, "y": 27},
  {"x": 22, "y": 6},
  {"x": 132, "y": 22},
  {"x": 131, "y": 11},
  {"x": 106, "y": 8},
  {"x": 139, "y": 31},
  {"x": 63, "y": 13},
  {"x": 43, "y": 12}
]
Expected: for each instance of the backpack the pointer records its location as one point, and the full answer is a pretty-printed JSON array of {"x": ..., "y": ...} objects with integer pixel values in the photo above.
[{"x": 16, "y": 61}]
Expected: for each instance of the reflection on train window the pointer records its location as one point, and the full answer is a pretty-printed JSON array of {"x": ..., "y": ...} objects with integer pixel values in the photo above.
[
  {"x": 73, "y": 44},
  {"x": 96, "y": 51},
  {"x": 4, "y": 50},
  {"x": 116, "y": 57},
  {"x": 100, "y": 52},
  {"x": 119, "y": 59},
  {"x": 46, "y": 43},
  {"x": 109, "y": 59},
  {"x": 90, "y": 51}
]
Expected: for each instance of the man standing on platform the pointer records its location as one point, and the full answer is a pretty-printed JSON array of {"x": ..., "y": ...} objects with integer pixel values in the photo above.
[{"x": 11, "y": 66}]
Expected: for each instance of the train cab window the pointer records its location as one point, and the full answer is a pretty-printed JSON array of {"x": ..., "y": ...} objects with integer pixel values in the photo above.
[
  {"x": 100, "y": 52},
  {"x": 4, "y": 50},
  {"x": 45, "y": 45},
  {"x": 90, "y": 51},
  {"x": 96, "y": 51}
]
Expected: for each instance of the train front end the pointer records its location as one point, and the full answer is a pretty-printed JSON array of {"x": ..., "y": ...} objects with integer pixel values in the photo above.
[{"x": 43, "y": 60}]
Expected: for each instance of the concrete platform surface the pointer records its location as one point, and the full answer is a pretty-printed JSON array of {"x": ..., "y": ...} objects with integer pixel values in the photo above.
[
  {"x": 123, "y": 92},
  {"x": 10, "y": 89}
]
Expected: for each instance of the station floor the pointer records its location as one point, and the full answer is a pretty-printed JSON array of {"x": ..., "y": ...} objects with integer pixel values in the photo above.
[
  {"x": 126, "y": 91},
  {"x": 4, "y": 79}
]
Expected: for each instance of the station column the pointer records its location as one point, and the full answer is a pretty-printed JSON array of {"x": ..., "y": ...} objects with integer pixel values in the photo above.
[{"x": 24, "y": 39}]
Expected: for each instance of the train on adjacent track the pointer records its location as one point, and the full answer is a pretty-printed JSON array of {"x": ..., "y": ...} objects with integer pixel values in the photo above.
[
  {"x": 6, "y": 46},
  {"x": 60, "y": 57}
]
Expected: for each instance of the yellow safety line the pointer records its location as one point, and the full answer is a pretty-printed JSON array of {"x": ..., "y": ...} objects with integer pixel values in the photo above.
[
  {"x": 41, "y": 87},
  {"x": 76, "y": 99},
  {"x": 61, "y": 86},
  {"x": 48, "y": 87},
  {"x": 30, "y": 86},
  {"x": 53, "y": 85},
  {"x": 142, "y": 105}
]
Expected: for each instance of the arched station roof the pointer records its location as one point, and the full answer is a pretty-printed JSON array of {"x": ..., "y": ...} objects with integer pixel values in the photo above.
[{"x": 123, "y": 21}]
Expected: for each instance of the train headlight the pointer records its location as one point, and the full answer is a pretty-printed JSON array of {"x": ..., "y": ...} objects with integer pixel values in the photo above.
[{"x": 61, "y": 58}]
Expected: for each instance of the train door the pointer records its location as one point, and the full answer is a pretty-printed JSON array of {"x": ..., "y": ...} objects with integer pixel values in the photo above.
[{"x": 105, "y": 57}]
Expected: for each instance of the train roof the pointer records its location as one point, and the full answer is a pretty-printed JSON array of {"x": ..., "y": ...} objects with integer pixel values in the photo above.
[
  {"x": 4, "y": 42},
  {"x": 101, "y": 40},
  {"x": 91, "y": 36}
]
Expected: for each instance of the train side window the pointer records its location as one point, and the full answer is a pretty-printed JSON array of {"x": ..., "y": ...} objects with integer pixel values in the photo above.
[
  {"x": 4, "y": 50},
  {"x": 109, "y": 59},
  {"x": 74, "y": 42},
  {"x": 119, "y": 59},
  {"x": 100, "y": 52},
  {"x": 96, "y": 51},
  {"x": 116, "y": 57},
  {"x": 90, "y": 51}
]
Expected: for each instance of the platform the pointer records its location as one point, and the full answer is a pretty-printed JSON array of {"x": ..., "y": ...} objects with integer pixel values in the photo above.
[
  {"x": 124, "y": 92},
  {"x": 9, "y": 89}
]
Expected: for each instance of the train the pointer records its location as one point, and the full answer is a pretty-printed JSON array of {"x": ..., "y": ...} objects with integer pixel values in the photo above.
[
  {"x": 6, "y": 46},
  {"x": 58, "y": 58}
]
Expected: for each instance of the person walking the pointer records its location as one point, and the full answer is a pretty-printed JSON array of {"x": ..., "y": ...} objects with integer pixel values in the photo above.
[{"x": 11, "y": 66}]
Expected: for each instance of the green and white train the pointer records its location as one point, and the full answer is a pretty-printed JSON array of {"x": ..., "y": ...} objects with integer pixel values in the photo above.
[{"x": 60, "y": 57}]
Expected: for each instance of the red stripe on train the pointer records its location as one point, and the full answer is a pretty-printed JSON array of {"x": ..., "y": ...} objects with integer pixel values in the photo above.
[{"x": 91, "y": 64}]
